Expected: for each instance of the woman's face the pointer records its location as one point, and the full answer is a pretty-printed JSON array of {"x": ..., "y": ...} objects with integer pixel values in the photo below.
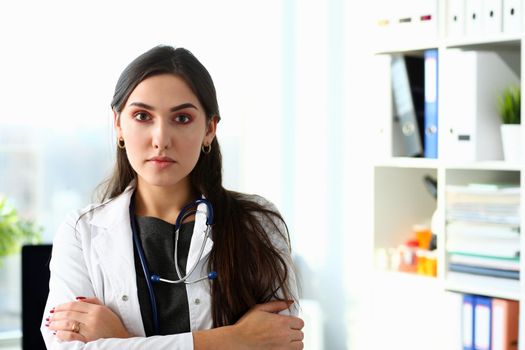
[{"x": 163, "y": 126}]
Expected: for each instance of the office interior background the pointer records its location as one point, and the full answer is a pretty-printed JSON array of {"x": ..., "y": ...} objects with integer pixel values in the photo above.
[{"x": 291, "y": 92}]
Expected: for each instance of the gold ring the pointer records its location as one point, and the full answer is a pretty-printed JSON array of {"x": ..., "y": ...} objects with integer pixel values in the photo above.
[{"x": 75, "y": 328}]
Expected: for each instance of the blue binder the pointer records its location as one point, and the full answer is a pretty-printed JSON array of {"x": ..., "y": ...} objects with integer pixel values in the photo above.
[
  {"x": 431, "y": 104},
  {"x": 467, "y": 315},
  {"x": 483, "y": 323}
]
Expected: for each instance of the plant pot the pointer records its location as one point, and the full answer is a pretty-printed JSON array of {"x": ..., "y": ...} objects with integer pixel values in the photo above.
[{"x": 511, "y": 139}]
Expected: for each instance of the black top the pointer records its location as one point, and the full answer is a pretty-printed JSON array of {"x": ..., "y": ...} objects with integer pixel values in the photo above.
[{"x": 158, "y": 242}]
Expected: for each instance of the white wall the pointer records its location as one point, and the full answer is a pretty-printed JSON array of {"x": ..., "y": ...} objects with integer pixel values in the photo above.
[{"x": 361, "y": 104}]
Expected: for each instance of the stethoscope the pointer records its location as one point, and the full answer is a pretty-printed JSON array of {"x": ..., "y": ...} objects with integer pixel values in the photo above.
[{"x": 184, "y": 213}]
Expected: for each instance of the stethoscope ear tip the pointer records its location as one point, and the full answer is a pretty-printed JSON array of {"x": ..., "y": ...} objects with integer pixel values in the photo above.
[{"x": 212, "y": 275}]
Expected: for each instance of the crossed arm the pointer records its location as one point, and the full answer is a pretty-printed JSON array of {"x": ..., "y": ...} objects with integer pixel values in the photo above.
[
  {"x": 88, "y": 320},
  {"x": 100, "y": 328}
]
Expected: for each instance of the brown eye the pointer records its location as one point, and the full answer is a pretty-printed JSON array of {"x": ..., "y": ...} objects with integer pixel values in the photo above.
[
  {"x": 183, "y": 119},
  {"x": 141, "y": 117}
]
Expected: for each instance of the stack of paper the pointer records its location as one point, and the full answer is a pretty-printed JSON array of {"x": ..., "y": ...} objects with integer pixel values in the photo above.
[{"x": 483, "y": 231}]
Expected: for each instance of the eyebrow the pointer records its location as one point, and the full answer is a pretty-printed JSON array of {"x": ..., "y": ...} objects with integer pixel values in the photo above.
[{"x": 172, "y": 109}]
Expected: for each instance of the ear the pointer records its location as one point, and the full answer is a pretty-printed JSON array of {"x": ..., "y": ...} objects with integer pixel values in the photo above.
[
  {"x": 116, "y": 124},
  {"x": 211, "y": 129}
]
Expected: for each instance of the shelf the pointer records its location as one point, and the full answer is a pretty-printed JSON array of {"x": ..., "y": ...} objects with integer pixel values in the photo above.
[
  {"x": 406, "y": 280},
  {"x": 486, "y": 165},
  {"x": 407, "y": 48},
  {"x": 483, "y": 285},
  {"x": 424, "y": 163},
  {"x": 490, "y": 43},
  {"x": 472, "y": 70},
  {"x": 499, "y": 42},
  {"x": 408, "y": 162}
]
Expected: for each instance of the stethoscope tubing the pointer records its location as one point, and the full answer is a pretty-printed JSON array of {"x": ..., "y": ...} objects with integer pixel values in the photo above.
[
  {"x": 140, "y": 251},
  {"x": 155, "y": 278}
]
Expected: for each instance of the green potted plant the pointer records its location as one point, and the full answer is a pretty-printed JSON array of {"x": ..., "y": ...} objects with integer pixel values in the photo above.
[
  {"x": 509, "y": 109},
  {"x": 14, "y": 230}
]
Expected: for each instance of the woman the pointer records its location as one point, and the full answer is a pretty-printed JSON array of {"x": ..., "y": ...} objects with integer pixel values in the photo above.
[{"x": 165, "y": 115}]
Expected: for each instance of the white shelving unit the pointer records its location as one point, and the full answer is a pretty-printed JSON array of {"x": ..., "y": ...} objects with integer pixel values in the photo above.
[{"x": 401, "y": 199}]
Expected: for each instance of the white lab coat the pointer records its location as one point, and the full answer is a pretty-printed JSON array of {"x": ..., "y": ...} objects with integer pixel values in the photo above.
[{"x": 93, "y": 257}]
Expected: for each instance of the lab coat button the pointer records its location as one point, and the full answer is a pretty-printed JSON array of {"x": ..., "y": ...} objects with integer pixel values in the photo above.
[
  {"x": 125, "y": 298},
  {"x": 197, "y": 301}
]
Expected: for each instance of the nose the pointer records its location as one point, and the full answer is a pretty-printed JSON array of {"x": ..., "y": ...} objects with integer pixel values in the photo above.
[{"x": 161, "y": 137}]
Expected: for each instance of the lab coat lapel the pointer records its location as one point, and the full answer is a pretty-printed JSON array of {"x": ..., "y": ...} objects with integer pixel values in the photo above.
[
  {"x": 114, "y": 244},
  {"x": 115, "y": 247},
  {"x": 114, "y": 239}
]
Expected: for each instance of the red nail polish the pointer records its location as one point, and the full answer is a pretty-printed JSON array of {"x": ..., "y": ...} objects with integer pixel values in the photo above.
[
  {"x": 52, "y": 311},
  {"x": 47, "y": 324},
  {"x": 55, "y": 333},
  {"x": 81, "y": 298}
]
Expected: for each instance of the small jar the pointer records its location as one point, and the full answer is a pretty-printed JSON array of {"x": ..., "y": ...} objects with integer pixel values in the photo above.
[
  {"x": 408, "y": 257},
  {"x": 423, "y": 236}
]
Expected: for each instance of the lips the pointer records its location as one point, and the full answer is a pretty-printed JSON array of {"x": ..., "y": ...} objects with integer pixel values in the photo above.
[
  {"x": 161, "y": 163},
  {"x": 162, "y": 159}
]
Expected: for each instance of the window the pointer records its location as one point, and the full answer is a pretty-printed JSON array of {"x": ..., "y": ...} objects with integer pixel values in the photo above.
[{"x": 45, "y": 173}]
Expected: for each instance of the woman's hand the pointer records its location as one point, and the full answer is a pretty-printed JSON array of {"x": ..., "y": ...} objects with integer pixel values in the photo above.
[
  {"x": 85, "y": 320},
  {"x": 263, "y": 328}
]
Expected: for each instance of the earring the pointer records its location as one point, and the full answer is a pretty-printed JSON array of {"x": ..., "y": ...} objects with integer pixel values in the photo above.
[
  {"x": 206, "y": 149},
  {"x": 120, "y": 143}
]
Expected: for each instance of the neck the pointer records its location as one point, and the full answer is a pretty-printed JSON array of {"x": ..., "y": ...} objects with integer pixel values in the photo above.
[{"x": 162, "y": 202}]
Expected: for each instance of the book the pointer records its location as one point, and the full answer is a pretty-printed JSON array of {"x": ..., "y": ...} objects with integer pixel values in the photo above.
[
  {"x": 512, "y": 264},
  {"x": 484, "y": 230},
  {"x": 484, "y": 271},
  {"x": 492, "y": 247},
  {"x": 486, "y": 194},
  {"x": 491, "y": 203},
  {"x": 482, "y": 216}
]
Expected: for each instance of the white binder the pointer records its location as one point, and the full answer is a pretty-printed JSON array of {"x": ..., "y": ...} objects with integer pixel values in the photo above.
[
  {"x": 425, "y": 20},
  {"x": 384, "y": 22},
  {"x": 455, "y": 18},
  {"x": 404, "y": 21},
  {"x": 512, "y": 16},
  {"x": 472, "y": 130},
  {"x": 474, "y": 17},
  {"x": 493, "y": 16}
]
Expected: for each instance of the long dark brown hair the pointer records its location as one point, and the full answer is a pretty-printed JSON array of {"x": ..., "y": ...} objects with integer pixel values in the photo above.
[{"x": 250, "y": 268}]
